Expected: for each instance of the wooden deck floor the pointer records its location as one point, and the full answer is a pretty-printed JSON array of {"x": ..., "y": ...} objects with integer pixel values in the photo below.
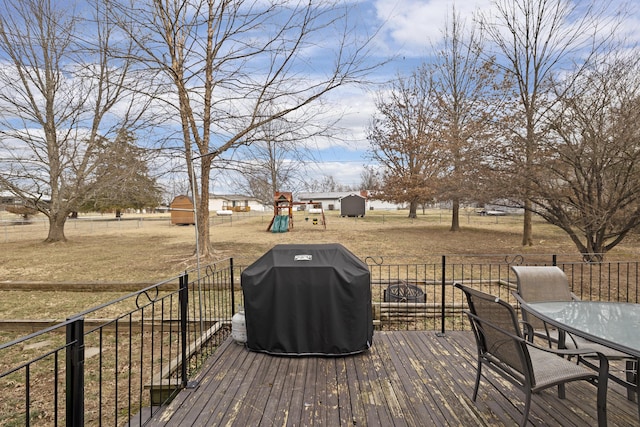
[{"x": 410, "y": 378}]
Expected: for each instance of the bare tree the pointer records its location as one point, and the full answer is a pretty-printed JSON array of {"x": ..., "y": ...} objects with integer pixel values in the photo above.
[
  {"x": 235, "y": 66},
  {"x": 268, "y": 168},
  {"x": 589, "y": 184},
  {"x": 405, "y": 142},
  {"x": 61, "y": 96},
  {"x": 535, "y": 39},
  {"x": 468, "y": 97},
  {"x": 326, "y": 184},
  {"x": 369, "y": 179},
  {"x": 281, "y": 155}
]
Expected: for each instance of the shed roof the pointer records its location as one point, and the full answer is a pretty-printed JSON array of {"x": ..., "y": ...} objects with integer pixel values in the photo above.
[{"x": 353, "y": 195}]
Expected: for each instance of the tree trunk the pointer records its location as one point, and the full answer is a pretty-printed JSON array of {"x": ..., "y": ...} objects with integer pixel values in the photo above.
[
  {"x": 413, "y": 208},
  {"x": 455, "y": 217},
  {"x": 530, "y": 149},
  {"x": 202, "y": 207},
  {"x": 56, "y": 227},
  {"x": 527, "y": 231}
]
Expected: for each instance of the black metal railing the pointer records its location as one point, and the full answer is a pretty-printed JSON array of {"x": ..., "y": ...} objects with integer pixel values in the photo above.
[
  {"x": 439, "y": 307},
  {"x": 117, "y": 363}
]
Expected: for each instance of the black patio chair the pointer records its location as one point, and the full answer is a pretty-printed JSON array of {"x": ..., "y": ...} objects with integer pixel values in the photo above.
[
  {"x": 502, "y": 348},
  {"x": 550, "y": 283}
]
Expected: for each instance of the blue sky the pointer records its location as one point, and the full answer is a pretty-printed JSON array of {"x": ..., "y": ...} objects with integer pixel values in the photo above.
[
  {"x": 409, "y": 29},
  {"x": 406, "y": 31}
]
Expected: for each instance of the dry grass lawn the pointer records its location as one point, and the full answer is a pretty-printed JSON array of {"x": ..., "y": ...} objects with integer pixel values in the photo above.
[{"x": 150, "y": 249}]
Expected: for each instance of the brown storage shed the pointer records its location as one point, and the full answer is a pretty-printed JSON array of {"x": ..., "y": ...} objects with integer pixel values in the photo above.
[{"x": 182, "y": 211}]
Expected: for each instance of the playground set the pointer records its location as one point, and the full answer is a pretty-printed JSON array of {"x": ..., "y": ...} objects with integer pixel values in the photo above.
[{"x": 283, "y": 205}]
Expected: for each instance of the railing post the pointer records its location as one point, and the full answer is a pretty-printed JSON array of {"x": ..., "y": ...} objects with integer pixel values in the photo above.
[
  {"x": 184, "y": 305},
  {"x": 75, "y": 373},
  {"x": 442, "y": 294},
  {"x": 233, "y": 291}
]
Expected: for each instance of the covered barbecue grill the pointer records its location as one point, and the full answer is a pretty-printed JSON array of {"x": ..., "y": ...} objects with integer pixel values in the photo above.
[{"x": 308, "y": 300}]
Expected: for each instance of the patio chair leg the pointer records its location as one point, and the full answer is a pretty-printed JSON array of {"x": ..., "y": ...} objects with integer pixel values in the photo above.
[
  {"x": 602, "y": 407},
  {"x": 478, "y": 374},
  {"x": 632, "y": 377},
  {"x": 603, "y": 380},
  {"x": 527, "y": 407}
]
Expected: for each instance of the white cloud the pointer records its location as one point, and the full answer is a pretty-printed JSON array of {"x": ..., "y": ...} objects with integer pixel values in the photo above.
[
  {"x": 344, "y": 173},
  {"x": 358, "y": 107},
  {"x": 414, "y": 24}
]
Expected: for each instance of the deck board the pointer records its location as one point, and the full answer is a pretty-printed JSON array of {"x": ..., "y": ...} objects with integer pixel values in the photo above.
[{"x": 408, "y": 378}]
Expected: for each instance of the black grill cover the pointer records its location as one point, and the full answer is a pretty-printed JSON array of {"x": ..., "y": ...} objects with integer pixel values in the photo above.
[{"x": 308, "y": 300}]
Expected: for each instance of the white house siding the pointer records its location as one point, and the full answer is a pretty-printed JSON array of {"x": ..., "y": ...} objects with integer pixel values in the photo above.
[
  {"x": 219, "y": 202},
  {"x": 333, "y": 198},
  {"x": 381, "y": 205}
]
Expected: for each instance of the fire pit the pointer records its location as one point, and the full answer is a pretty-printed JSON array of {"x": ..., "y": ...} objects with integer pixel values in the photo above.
[{"x": 404, "y": 292}]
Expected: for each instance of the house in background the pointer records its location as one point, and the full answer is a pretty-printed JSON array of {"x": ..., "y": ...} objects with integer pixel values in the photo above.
[
  {"x": 331, "y": 200},
  {"x": 9, "y": 199},
  {"x": 181, "y": 207},
  {"x": 235, "y": 203}
]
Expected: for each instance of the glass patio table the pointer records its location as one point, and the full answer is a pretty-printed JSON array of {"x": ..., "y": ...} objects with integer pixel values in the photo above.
[{"x": 613, "y": 324}]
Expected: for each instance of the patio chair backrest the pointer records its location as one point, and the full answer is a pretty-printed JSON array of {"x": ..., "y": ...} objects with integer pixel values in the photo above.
[
  {"x": 496, "y": 328},
  {"x": 541, "y": 284}
]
